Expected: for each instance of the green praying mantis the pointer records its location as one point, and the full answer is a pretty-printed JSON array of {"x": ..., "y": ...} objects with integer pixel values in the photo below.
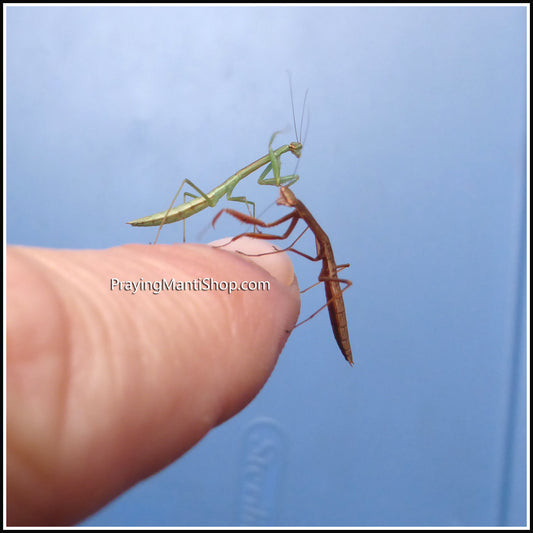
[
  {"x": 200, "y": 202},
  {"x": 210, "y": 199}
]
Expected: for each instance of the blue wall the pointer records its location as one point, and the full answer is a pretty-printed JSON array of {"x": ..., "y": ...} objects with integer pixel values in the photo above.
[{"x": 415, "y": 164}]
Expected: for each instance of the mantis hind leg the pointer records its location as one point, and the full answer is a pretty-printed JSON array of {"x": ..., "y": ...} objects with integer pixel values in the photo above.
[
  {"x": 211, "y": 202},
  {"x": 202, "y": 194},
  {"x": 347, "y": 282},
  {"x": 339, "y": 268}
]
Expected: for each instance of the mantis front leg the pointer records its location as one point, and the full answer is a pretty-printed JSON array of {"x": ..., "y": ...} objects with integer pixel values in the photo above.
[{"x": 275, "y": 167}]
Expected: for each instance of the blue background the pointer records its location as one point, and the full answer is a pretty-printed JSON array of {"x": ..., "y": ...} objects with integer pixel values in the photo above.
[{"x": 414, "y": 163}]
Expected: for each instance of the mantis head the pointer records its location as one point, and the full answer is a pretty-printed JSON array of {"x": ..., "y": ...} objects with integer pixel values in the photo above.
[
  {"x": 286, "y": 197},
  {"x": 296, "y": 148}
]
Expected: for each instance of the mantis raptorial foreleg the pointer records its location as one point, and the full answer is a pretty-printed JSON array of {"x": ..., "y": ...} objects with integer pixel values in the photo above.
[{"x": 275, "y": 167}]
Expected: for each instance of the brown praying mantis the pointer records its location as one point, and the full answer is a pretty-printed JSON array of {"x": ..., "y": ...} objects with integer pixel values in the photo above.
[{"x": 324, "y": 253}]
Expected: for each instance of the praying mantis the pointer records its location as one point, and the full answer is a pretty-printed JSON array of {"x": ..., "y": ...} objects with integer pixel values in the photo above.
[
  {"x": 210, "y": 199},
  {"x": 328, "y": 274}
]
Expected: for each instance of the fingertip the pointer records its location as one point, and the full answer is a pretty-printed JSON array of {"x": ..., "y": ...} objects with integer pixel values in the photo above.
[{"x": 263, "y": 253}]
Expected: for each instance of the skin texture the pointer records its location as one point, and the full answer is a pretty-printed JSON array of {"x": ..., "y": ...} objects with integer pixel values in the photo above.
[{"x": 105, "y": 388}]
